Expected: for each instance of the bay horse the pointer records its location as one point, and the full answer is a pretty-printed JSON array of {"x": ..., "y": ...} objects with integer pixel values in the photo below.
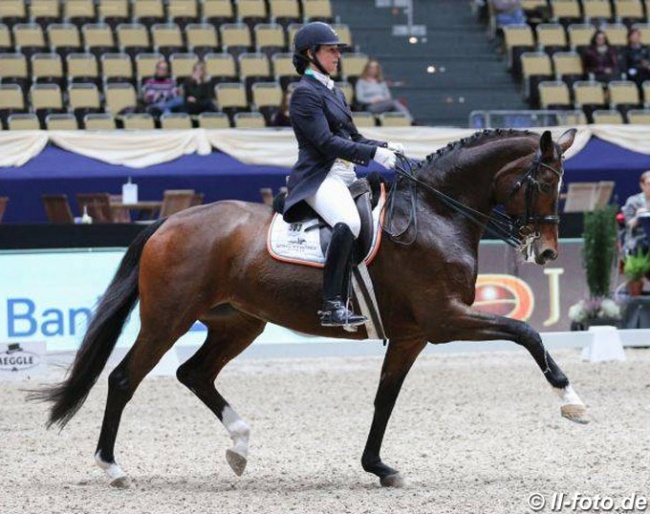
[{"x": 210, "y": 263}]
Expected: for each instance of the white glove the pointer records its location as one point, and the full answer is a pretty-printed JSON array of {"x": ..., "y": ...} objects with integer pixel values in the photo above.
[
  {"x": 396, "y": 147},
  {"x": 385, "y": 157}
]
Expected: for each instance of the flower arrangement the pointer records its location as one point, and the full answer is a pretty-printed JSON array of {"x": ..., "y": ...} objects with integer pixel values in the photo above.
[{"x": 595, "y": 308}]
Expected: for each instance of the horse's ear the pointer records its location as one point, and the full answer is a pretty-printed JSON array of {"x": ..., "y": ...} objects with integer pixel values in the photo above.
[
  {"x": 566, "y": 139},
  {"x": 546, "y": 145}
]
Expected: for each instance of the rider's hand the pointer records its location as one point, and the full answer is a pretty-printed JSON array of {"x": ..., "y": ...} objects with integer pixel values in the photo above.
[
  {"x": 385, "y": 157},
  {"x": 396, "y": 147}
]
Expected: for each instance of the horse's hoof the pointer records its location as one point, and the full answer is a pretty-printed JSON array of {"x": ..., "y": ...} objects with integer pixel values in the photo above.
[
  {"x": 575, "y": 412},
  {"x": 122, "y": 482},
  {"x": 236, "y": 462},
  {"x": 394, "y": 480}
]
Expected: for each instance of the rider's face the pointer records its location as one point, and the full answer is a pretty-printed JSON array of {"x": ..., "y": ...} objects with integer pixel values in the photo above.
[{"x": 329, "y": 56}]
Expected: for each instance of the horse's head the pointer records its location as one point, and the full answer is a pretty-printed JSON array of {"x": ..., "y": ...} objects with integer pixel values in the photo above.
[{"x": 530, "y": 194}]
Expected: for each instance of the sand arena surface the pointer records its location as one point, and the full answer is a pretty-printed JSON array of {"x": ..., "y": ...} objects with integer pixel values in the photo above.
[{"x": 474, "y": 432}]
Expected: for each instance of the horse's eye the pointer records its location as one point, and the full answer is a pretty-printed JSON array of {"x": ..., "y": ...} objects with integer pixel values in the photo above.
[{"x": 545, "y": 188}]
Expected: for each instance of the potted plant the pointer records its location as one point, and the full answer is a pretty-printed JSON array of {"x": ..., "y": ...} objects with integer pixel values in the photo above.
[
  {"x": 599, "y": 254},
  {"x": 635, "y": 267}
]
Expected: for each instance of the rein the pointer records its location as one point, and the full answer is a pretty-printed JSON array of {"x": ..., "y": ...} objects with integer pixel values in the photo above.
[{"x": 510, "y": 230}]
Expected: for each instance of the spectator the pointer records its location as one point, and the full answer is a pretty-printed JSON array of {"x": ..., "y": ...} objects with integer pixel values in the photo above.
[
  {"x": 600, "y": 58},
  {"x": 636, "y": 58},
  {"x": 198, "y": 91},
  {"x": 160, "y": 93},
  {"x": 372, "y": 91},
  {"x": 281, "y": 117},
  {"x": 636, "y": 205},
  {"x": 508, "y": 12}
]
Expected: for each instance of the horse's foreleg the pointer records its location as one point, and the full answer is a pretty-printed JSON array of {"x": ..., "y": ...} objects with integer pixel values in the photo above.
[
  {"x": 470, "y": 325},
  {"x": 229, "y": 333},
  {"x": 397, "y": 363}
]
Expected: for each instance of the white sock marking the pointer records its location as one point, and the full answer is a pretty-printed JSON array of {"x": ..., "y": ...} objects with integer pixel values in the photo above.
[{"x": 238, "y": 429}]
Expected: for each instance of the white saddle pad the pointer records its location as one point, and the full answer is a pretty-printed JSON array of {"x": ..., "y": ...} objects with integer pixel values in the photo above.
[{"x": 299, "y": 243}]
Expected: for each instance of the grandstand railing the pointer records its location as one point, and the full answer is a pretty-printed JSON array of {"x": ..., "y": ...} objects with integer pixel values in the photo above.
[{"x": 524, "y": 118}]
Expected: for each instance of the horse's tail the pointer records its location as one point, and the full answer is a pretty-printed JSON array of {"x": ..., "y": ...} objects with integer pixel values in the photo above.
[{"x": 102, "y": 335}]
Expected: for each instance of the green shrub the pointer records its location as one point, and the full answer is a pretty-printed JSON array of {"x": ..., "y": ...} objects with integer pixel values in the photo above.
[{"x": 599, "y": 251}]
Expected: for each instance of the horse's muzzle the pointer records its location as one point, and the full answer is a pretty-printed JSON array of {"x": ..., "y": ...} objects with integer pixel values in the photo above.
[{"x": 547, "y": 255}]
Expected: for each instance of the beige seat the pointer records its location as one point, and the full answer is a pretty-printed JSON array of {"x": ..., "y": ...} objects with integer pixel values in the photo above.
[
  {"x": 29, "y": 38},
  {"x": 5, "y": 39},
  {"x": 554, "y": 95},
  {"x": 269, "y": 38},
  {"x": 79, "y": 11},
  {"x": 317, "y": 10},
  {"x": 12, "y": 99},
  {"x": 145, "y": 64},
  {"x": 292, "y": 28},
  {"x": 352, "y": 65},
  {"x": 201, "y": 38},
  {"x": 518, "y": 39},
  {"x": 99, "y": 122},
  {"x": 568, "y": 65},
  {"x": 61, "y": 122},
  {"x": 82, "y": 68},
  {"x": 589, "y": 93},
  {"x": 176, "y": 121},
  {"x": 251, "y": 11},
  {"x": 119, "y": 96},
  {"x": 117, "y": 67},
  {"x": 44, "y": 12},
  {"x": 98, "y": 38},
  {"x": 267, "y": 97},
  {"x": 283, "y": 69},
  {"x": 176, "y": 200},
  {"x": 597, "y": 9},
  {"x": 138, "y": 122},
  {"x": 363, "y": 119},
  {"x": 84, "y": 98},
  {"x": 47, "y": 68},
  {"x": 221, "y": 67},
  {"x": 551, "y": 36},
  {"x": 644, "y": 28},
  {"x": 64, "y": 37},
  {"x": 236, "y": 37},
  {"x": 23, "y": 122},
  {"x": 133, "y": 38},
  {"x": 214, "y": 120},
  {"x": 231, "y": 97},
  {"x": 217, "y": 12},
  {"x": 284, "y": 11},
  {"x": 57, "y": 208},
  {"x": 183, "y": 12},
  {"x": 344, "y": 32},
  {"x": 148, "y": 12},
  {"x": 181, "y": 64},
  {"x": 610, "y": 117},
  {"x": 254, "y": 67},
  {"x": 580, "y": 35},
  {"x": 14, "y": 68},
  {"x": 629, "y": 10},
  {"x": 13, "y": 11},
  {"x": 566, "y": 10},
  {"x": 394, "y": 119},
  {"x": 535, "y": 66},
  {"x": 623, "y": 93},
  {"x": 167, "y": 38},
  {"x": 46, "y": 98},
  {"x": 249, "y": 120},
  {"x": 113, "y": 12},
  {"x": 616, "y": 34},
  {"x": 639, "y": 116}
]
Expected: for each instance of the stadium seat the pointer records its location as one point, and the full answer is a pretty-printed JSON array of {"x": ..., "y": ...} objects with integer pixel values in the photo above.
[
  {"x": 267, "y": 97},
  {"x": 231, "y": 97},
  {"x": 597, "y": 10},
  {"x": 133, "y": 38},
  {"x": 181, "y": 65},
  {"x": 639, "y": 116},
  {"x": 283, "y": 69},
  {"x": 394, "y": 119},
  {"x": 616, "y": 34},
  {"x": 113, "y": 12},
  {"x": 554, "y": 95},
  {"x": 251, "y": 11},
  {"x": 363, "y": 119},
  {"x": 236, "y": 38},
  {"x": 29, "y": 38},
  {"x": 566, "y": 11},
  {"x": 145, "y": 65},
  {"x": 99, "y": 122},
  {"x": 220, "y": 67},
  {"x": 201, "y": 38},
  {"x": 167, "y": 38},
  {"x": 79, "y": 12},
  {"x": 14, "y": 69},
  {"x": 580, "y": 35},
  {"x": 5, "y": 39},
  {"x": 317, "y": 10},
  {"x": 117, "y": 67},
  {"x": 535, "y": 67},
  {"x": 352, "y": 66},
  {"x": 44, "y": 12},
  {"x": 64, "y": 38},
  {"x": 623, "y": 95},
  {"x": 292, "y": 28},
  {"x": 345, "y": 35},
  {"x": 47, "y": 68},
  {"x": 551, "y": 37},
  {"x": 348, "y": 91},
  {"x": 148, "y": 12},
  {"x": 46, "y": 99},
  {"x": 119, "y": 96},
  {"x": 84, "y": 99},
  {"x": 13, "y": 11},
  {"x": 284, "y": 11},
  {"x": 249, "y": 120},
  {"x": 572, "y": 118},
  {"x": 176, "y": 121},
  {"x": 568, "y": 66},
  {"x": 183, "y": 12},
  {"x": 12, "y": 101},
  {"x": 23, "y": 122},
  {"x": 83, "y": 68},
  {"x": 644, "y": 28},
  {"x": 214, "y": 120},
  {"x": 608, "y": 116},
  {"x": 138, "y": 122},
  {"x": 629, "y": 11},
  {"x": 518, "y": 39},
  {"x": 588, "y": 96},
  {"x": 61, "y": 122},
  {"x": 254, "y": 67},
  {"x": 269, "y": 38},
  {"x": 98, "y": 38},
  {"x": 217, "y": 12}
]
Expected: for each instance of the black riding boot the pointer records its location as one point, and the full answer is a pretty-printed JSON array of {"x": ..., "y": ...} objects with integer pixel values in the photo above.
[{"x": 338, "y": 266}]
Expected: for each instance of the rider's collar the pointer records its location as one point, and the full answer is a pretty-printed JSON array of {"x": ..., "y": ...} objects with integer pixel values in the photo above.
[{"x": 323, "y": 79}]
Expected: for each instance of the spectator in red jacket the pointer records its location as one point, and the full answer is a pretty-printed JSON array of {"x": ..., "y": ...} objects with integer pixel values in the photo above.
[
  {"x": 600, "y": 58},
  {"x": 160, "y": 93}
]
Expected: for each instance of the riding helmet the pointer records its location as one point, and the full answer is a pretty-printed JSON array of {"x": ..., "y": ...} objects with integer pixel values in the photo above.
[{"x": 310, "y": 37}]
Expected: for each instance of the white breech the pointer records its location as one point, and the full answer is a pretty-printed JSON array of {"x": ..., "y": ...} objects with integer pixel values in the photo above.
[{"x": 333, "y": 201}]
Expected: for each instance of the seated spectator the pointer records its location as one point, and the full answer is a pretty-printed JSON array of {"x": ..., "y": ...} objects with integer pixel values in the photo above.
[
  {"x": 198, "y": 91},
  {"x": 636, "y": 58},
  {"x": 372, "y": 91},
  {"x": 508, "y": 12},
  {"x": 159, "y": 93},
  {"x": 281, "y": 117},
  {"x": 600, "y": 58},
  {"x": 636, "y": 205}
]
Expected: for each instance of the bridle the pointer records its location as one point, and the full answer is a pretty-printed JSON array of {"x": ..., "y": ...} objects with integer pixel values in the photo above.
[{"x": 515, "y": 231}]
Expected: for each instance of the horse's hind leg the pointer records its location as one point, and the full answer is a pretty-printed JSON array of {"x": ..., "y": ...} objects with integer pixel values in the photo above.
[
  {"x": 152, "y": 343},
  {"x": 397, "y": 363},
  {"x": 229, "y": 333}
]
